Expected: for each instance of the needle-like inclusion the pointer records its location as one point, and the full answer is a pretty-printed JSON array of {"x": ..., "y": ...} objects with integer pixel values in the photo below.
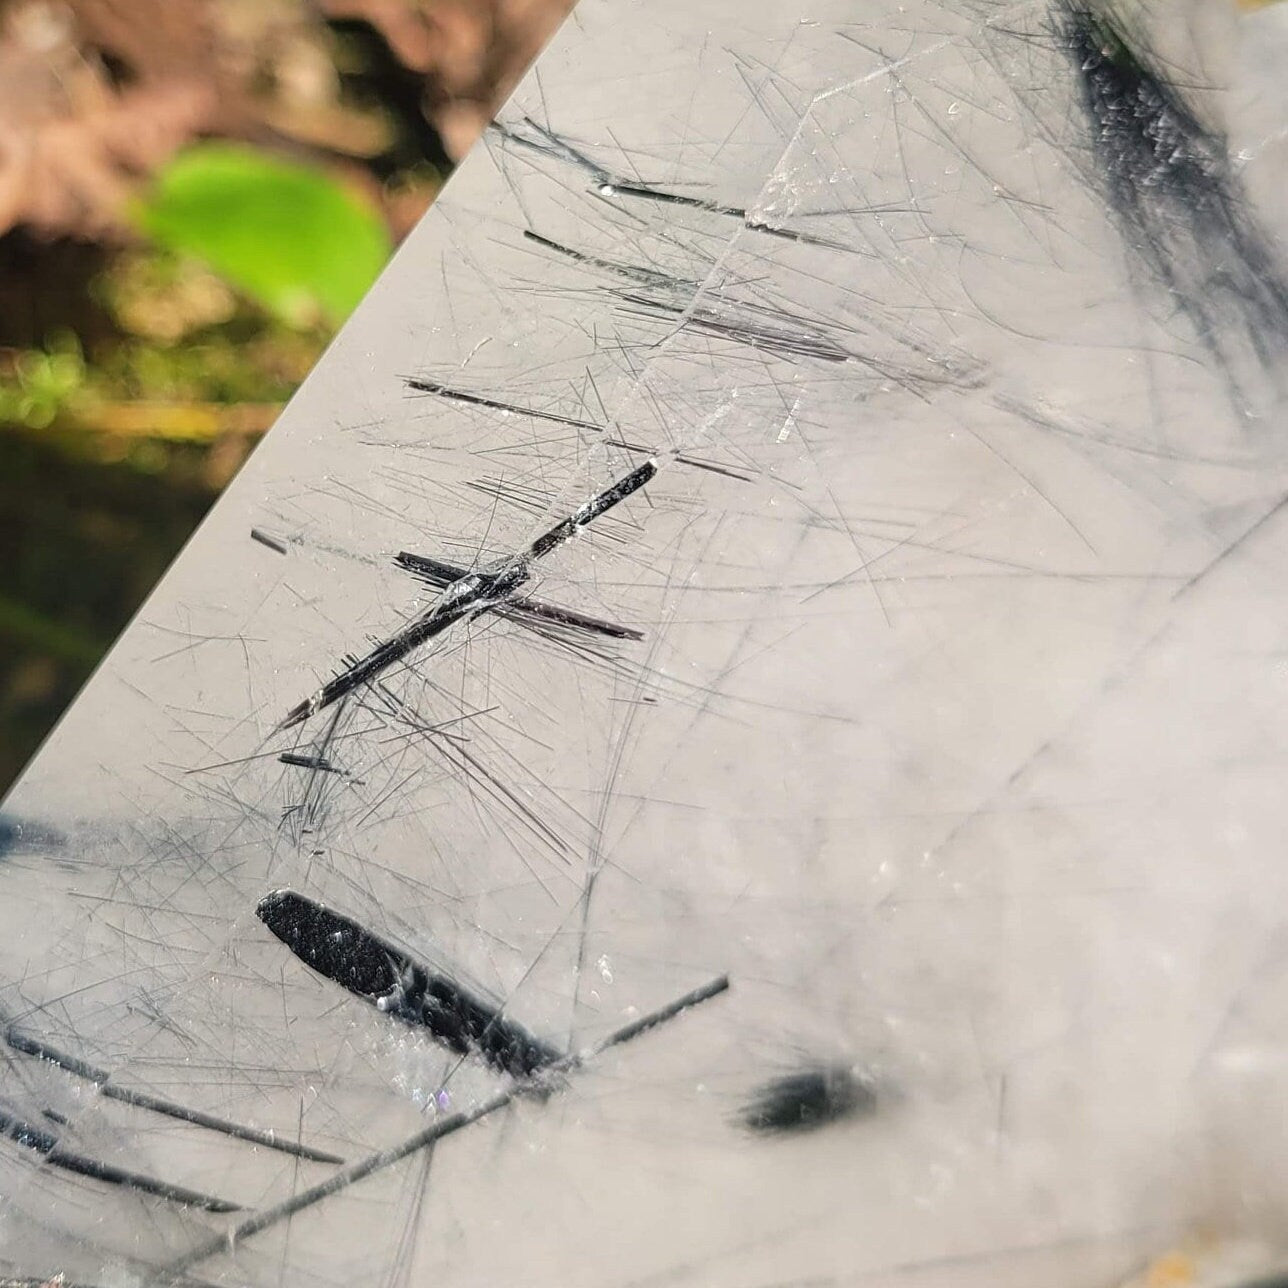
[
  {"x": 46, "y": 1143},
  {"x": 368, "y": 967},
  {"x": 467, "y": 596},
  {"x": 17, "y": 1040}
]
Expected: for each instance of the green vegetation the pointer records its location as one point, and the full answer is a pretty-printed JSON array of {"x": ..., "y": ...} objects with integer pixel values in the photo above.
[
  {"x": 288, "y": 235},
  {"x": 42, "y": 383}
]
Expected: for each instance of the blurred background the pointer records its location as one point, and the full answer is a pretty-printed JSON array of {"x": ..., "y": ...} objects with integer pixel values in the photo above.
[{"x": 193, "y": 196}]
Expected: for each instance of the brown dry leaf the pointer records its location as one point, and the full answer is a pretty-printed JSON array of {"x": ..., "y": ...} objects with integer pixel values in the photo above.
[
  {"x": 472, "y": 52},
  {"x": 71, "y": 142},
  {"x": 96, "y": 94},
  {"x": 399, "y": 22},
  {"x": 75, "y": 174},
  {"x": 154, "y": 39}
]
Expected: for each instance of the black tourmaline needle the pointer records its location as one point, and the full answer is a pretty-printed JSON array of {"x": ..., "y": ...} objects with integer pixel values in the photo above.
[
  {"x": 468, "y": 596},
  {"x": 17, "y": 1040},
  {"x": 385, "y": 976},
  {"x": 46, "y": 1143}
]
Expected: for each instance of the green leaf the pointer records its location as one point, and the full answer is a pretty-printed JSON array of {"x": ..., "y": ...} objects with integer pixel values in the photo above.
[{"x": 288, "y": 235}]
